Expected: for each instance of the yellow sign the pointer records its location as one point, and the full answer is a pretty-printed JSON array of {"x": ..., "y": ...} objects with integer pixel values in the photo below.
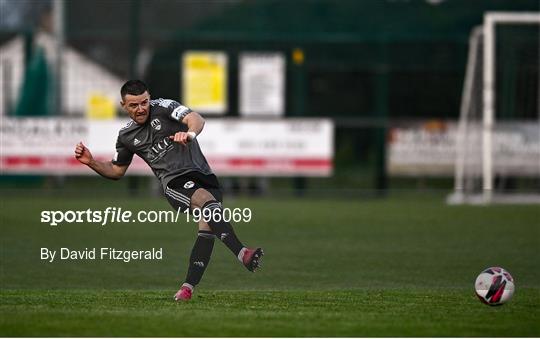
[
  {"x": 205, "y": 81},
  {"x": 100, "y": 107}
]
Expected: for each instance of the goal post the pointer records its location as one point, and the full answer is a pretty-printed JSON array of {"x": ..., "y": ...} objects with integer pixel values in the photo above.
[
  {"x": 475, "y": 168},
  {"x": 491, "y": 19}
]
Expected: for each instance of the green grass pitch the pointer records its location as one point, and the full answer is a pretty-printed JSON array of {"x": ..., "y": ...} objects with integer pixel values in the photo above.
[{"x": 336, "y": 267}]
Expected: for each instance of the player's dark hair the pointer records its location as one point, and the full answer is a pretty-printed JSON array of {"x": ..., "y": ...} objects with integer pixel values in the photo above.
[{"x": 133, "y": 87}]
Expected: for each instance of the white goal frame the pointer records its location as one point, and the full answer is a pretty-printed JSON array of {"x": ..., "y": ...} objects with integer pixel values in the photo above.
[{"x": 487, "y": 31}]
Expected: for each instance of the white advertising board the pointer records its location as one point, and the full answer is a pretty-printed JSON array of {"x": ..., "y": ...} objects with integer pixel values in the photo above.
[
  {"x": 430, "y": 149},
  {"x": 286, "y": 147}
]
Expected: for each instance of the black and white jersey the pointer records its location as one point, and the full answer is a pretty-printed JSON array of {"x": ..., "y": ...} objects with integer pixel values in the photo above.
[{"x": 151, "y": 142}]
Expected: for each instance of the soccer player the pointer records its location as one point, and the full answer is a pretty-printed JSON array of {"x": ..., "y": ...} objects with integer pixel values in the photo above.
[{"x": 164, "y": 134}]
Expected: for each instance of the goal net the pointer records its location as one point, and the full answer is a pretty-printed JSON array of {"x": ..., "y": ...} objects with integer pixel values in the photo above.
[{"x": 498, "y": 136}]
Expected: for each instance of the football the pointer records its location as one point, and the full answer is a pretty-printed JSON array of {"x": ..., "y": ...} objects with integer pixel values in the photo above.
[{"x": 494, "y": 286}]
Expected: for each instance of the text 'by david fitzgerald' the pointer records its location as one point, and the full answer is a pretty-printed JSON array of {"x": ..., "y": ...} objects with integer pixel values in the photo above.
[{"x": 103, "y": 253}]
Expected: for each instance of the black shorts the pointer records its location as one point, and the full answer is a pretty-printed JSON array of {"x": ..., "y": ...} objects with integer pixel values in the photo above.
[{"x": 180, "y": 189}]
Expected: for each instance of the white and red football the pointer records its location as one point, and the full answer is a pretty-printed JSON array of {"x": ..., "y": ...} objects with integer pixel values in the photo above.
[{"x": 494, "y": 286}]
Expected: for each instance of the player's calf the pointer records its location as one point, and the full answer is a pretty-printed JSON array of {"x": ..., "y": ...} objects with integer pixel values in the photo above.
[
  {"x": 250, "y": 257},
  {"x": 222, "y": 229}
]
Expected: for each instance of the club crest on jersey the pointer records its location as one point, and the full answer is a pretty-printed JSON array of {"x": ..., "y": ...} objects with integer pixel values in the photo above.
[
  {"x": 189, "y": 185},
  {"x": 156, "y": 124}
]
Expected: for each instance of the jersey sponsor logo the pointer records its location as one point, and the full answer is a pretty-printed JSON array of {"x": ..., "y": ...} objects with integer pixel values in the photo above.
[
  {"x": 158, "y": 150},
  {"x": 156, "y": 124},
  {"x": 180, "y": 112},
  {"x": 189, "y": 185},
  {"x": 136, "y": 142}
]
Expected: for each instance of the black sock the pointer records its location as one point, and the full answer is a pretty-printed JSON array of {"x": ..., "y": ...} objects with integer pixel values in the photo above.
[
  {"x": 223, "y": 230},
  {"x": 200, "y": 257}
]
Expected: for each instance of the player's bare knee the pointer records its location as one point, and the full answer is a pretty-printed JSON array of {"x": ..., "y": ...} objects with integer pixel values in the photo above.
[
  {"x": 203, "y": 226},
  {"x": 201, "y": 197}
]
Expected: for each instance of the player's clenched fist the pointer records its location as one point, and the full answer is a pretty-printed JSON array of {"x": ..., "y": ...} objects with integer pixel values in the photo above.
[
  {"x": 83, "y": 154},
  {"x": 183, "y": 137}
]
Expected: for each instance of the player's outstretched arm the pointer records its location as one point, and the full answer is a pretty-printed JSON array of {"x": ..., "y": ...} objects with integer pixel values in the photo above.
[
  {"x": 104, "y": 168},
  {"x": 195, "y": 124}
]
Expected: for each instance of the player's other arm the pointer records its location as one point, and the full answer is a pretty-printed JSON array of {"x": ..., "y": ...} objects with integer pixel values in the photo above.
[
  {"x": 195, "y": 124},
  {"x": 104, "y": 168}
]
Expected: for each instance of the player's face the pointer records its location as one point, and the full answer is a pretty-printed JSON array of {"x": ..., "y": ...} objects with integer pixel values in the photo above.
[{"x": 137, "y": 106}]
